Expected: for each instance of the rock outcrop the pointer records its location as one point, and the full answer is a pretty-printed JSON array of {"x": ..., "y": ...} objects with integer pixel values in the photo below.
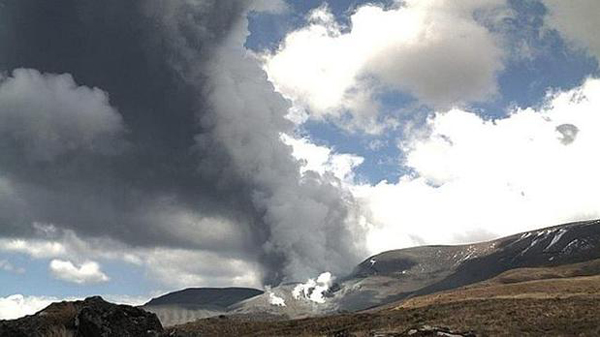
[{"x": 92, "y": 317}]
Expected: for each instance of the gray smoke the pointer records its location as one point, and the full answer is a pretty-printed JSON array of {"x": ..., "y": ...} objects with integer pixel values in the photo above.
[
  {"x": 158, "y": 115},
  {"x": 568, "y": 133}
]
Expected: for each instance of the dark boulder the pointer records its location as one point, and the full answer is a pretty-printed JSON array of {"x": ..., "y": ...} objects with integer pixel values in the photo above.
[{"x": 92, "y": 317}]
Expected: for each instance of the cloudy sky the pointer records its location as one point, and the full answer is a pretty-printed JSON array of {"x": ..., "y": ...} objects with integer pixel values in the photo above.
[{"x": 147, "y": 146}]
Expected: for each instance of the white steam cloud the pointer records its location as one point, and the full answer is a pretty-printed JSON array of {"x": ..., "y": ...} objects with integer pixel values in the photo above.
[
  {"x": 19, "y": 305},
  {"x": 275, "y": 300},
  {"x": 311, "y": 218},
  {"x": 314, "y": 290},
  {"x": 16, "y": 306}
]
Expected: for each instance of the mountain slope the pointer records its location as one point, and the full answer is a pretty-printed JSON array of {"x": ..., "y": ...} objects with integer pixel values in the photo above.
[
  {"x": 405, "y": 273},
  {"x": 216, "y": 297},
  {"x": 194, "y": 303},
  {"x": 546, "y": 301},
  {"x": 561, "y": 282},
  {"x": 399, "y": 274},
  {"x": 554, "y": 246}
]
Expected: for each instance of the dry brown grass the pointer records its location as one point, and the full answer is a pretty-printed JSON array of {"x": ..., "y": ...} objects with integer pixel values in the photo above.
[
  {"x": 574, "y": 316},
  {"x": 58, "y": 331},
  {"x": 60, "y": 313},
  {"x": 585, "y": 286}
]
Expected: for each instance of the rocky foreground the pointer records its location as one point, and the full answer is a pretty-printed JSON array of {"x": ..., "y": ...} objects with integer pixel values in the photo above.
[{"x": 92, "y": 317}]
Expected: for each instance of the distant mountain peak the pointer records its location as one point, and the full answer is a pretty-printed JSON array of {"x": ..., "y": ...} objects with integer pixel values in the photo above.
[{"x": 198, "y": 297}]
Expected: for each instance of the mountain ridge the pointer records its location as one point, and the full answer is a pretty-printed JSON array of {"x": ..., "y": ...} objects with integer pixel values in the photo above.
[
  {"x": 399, "y": 274},
  {"x": 559, "y": 256},
  {"x": 199, "y": 296}
]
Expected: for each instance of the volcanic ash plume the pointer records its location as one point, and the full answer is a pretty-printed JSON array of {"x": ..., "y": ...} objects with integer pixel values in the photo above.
[{"x": 190, "y": 158}]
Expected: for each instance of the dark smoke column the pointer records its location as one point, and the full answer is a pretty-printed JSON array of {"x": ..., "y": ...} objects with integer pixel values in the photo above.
[{"x": 203, "y": 127}]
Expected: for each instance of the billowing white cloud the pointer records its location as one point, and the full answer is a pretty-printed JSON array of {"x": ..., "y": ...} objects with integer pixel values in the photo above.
[
  {"x": 46, "y": 115},
  {"x": 424, "y": 48},
  {"x": 577, "y": 21},
  {"x": 87, "y": 272},
  {"x": 476, "y": 179},
  {"x": 34, "y": 248},
  {"x": 16, "y": 306},
  {"x": 322, "y": 159}
]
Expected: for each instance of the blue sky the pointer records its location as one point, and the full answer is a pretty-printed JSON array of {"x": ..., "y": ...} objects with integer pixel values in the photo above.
[
  {"x": 36, "y": 278},
  {"x": 416, "y": 150},
  {"x": 523, "y": 82}
]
